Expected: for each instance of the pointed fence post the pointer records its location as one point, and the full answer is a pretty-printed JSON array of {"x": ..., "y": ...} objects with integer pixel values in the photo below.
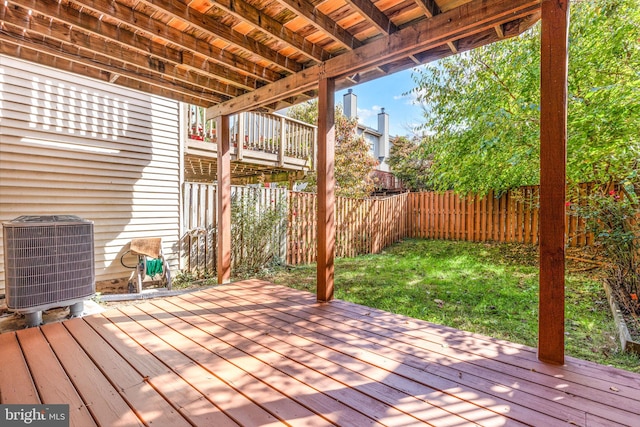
[{"x": 553, "y": 143}]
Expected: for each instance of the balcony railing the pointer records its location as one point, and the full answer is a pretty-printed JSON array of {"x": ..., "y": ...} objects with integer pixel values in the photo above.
[{"x": 259, "y": 133}]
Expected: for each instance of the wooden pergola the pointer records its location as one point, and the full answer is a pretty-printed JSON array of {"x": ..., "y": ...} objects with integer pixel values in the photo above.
[{"x": 239, "y": 55}]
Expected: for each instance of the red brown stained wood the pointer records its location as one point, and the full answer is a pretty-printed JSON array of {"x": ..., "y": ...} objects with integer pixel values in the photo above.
[
  {"x": 389, "y": 388},
  {"x": 433, "y": 359},
  {"x": 51, "y": 381},
  {"x": 553, "y": 140},
  {"x": 224, "y": 200},
  {"x": 491, "y": 212},
  {"x": 326, "y": 190},
  {"x": 132, "y": 386},
  {"x": 166, "y": 348},
  {"x": 535, "y": 217},
  {"x": 423, "y": 370},
  {"x": 478, "y": 210},
  {"x": 436, "y": 215},
  {"x": 510, "y": 219},
  {"x": 226, "y": 362},
  {"x": 101, "y": 397},
  {"x": 308, "y": 387},
  {"x": 193, "y": 404},
  {"x": 514, "y": 363},
  {"x": 17, "y": 386}
]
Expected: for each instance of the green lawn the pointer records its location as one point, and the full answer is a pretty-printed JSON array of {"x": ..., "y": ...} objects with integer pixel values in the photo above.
[{"x": 491, "y": 289}]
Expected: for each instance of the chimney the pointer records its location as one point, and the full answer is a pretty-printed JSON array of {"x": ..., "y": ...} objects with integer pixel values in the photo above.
[
  {"x": 350, "y": 101},
  {"x": 383, "y": 128}
]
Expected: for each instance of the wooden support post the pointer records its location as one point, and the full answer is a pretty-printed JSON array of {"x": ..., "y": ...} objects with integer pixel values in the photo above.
[
  {"x": 283, "y": 141},
  {"x": 326, "y": 187},
  {"x": 553, "y": 141},
  {"x": 240, "y": 138},
  {"x": 224, "y": 200}
]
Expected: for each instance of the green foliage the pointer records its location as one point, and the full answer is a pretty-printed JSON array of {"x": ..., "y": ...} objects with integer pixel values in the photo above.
[
  {"x": 612, "y": 218},
  {"x": 187, "y": 279},
  {"x": 257, "y": 232},
  {"x": 409, "y": 161},
  {"x": 491, "y": 289},
  {"x": 353, "y": 162},
  {"x": 306, "y": 112},
  {"x": 482, "y": 108}
]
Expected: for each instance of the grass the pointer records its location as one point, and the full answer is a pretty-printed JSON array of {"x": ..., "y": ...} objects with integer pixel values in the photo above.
[{"x": 491, "y": 289}]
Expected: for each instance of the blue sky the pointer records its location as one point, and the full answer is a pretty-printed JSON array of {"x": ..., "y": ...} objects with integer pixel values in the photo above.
[{"x": 387, "y": 93}]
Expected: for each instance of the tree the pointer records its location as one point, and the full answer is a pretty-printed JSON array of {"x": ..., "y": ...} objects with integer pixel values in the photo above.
[
  {"x": 409, "y": 161},
  {"x": 353, "y": 162},
  {"x": 306, "y": 112},
  {"x": 482, "y": 107}
]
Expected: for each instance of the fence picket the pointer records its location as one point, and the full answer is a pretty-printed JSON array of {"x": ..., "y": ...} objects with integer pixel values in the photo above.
[{"x": 370, "y": 225}]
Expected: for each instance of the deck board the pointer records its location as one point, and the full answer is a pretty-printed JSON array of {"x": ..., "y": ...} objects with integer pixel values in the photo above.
[
  {"x": 283, "y": 395},
  {"x": 562, "y": 398},
  {"x": 316, "y": 381},
  {"x": 102, "y": 398},
  {"x": 223, "y": 396},
  {"x": 443, "y": 375},
  {"x": 151, "y": 406},
  {"x": 193, "y": 404},
  {"x": 598, "y": 402},
  {"x": 51, "y": 380},
  {"x": 17, "y": 385},
  {"x": 253, "y": 353},
  {"x": 382, "y": 384}
]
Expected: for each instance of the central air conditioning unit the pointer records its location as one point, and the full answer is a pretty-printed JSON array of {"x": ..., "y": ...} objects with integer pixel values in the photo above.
[{"x": 49, "y": 262}]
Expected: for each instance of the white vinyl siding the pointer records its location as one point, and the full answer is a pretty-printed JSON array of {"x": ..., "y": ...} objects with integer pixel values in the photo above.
[{"x": 72, "y": 145}]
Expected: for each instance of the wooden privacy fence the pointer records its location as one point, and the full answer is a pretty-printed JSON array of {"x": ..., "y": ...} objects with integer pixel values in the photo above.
[
  {"x": 363, "y": 226},
  {"x": 512, "y": 217},
  {"x": 199, "y": 222},
  {"x": 366, "y": 226}
]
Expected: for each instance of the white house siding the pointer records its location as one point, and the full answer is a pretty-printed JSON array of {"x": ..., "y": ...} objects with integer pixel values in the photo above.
[{"x": 72, "y": 145}]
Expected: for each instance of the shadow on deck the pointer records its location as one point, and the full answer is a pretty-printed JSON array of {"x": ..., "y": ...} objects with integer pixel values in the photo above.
[{"x": 253, "y": 353}]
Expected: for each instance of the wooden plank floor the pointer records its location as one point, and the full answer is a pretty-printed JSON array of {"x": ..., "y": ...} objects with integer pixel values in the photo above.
[{"x": 255, "y": 354}]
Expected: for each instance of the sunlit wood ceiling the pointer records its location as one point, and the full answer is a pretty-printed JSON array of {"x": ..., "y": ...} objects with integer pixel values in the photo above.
[{"x": 241, "y": 54}]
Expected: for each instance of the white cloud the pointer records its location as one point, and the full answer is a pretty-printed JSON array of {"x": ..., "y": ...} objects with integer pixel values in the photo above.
[
  {"x": 366, "y": 115},
  {"x": 410, "y": 98}
]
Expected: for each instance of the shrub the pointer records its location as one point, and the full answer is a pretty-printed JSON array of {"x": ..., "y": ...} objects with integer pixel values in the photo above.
[
  {"x": 612, "y": 216},
  {"x": 257, "y": 231}
]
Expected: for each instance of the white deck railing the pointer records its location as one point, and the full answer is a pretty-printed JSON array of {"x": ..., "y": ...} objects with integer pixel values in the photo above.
[{"x": 260, "y": 132}]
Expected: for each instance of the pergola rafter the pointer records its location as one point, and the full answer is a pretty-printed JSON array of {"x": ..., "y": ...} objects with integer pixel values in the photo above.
[{"x": 238, "y": 55}]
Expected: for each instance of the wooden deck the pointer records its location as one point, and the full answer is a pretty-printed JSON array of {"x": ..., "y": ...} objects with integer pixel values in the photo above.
[{"x": 255, "y": 354}]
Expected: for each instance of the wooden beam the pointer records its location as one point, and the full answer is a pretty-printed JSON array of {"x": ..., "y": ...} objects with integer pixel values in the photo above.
[
  {"x": 151, "y": 28},
  {"x": 214, "y": 28},
  {"x": 224, "y": 200},
  {"x": 455, "y": 24},
  {"x": 326, "y": 188},
  {"x": 53, "y": 30},
  {"x": 246, "y": 12},
  {"x": 511, "y": 29},
  {"x": 41, "y": 57},
  {"x": 142, "y": 24},
  {"x": 322, "y": 22},
  {"x": 429, "y": 7},
  {"x": 373, "y": 15},
  {"x": 45, "y": 19},
  {"x": 553, "y": 161},
  {"x": 70, "y": 53}
]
